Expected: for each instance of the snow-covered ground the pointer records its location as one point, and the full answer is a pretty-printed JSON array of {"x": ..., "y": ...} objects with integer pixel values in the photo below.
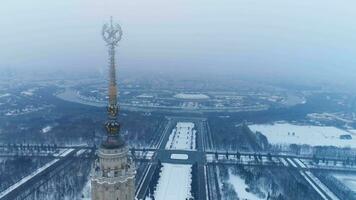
[
  {"x": 29, "y": 92},
  {"x": 86, "y": 192},
  {"x": 182, "y": 137},
  {"x": 174, "y": 182},
  {"x": 240, "y": 187},
  {"x": 46, "y": 129},
  {"x": 349, "y": 180},
  {"x": 4, "y": 95},
  {"x": 285, "y": 133},
  {"x": 191, "y": 96}
]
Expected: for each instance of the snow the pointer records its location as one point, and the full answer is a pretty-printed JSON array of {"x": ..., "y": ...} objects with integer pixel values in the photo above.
[
  {"x": 86, "y": 192},
  {"x": 174, "y": 182},
  {"x": 349, "y": 180},
  {"x": 291, "y": 162},
  {"x": 240, "y": 187},
  {"x": 179, "y": 156},
  {"x": 4, "y": 95},
  {"x": 313, "y": 185},
  {"x": 24, "y": 180},
  {"x": 190, "y": 105},
  {"x": 182, "y": 137},
  {"x": 33, "y": 174},
  {"x": 46, "y": 129},
  {"x": 80, "y": 152},
  {"x": 66, "y": 152},
  {"x": 322, "y": 186},
  {"x": 285, "y": 133},
  {"x": 300, "y": 163},
  {"x": 191, "y": 96},
  {"x": 313, "y": 181},
  {"x": 144, "y": 96},
  {"x": 29, "y": 92},
  {"x": 353, "y": 132}
]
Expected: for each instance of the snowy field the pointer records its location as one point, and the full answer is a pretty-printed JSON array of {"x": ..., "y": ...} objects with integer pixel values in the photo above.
[
  {"x": 349, "y": 180},
  {"x": 174, "y": 182},
  {"x": 182, "y": 137},
  {"x": 285, "y": 133},
  {"x": 191, "y": 96}
]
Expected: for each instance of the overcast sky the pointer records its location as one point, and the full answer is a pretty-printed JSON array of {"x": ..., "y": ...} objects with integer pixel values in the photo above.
[{"x": 298, "y": 39}]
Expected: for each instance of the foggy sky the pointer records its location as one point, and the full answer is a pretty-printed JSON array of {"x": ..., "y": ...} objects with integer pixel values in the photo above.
[{"x": 303, "y": 40}]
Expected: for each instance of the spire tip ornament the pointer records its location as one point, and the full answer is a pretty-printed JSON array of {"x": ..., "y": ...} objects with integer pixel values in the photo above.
[{"x": 112, "y": 33}]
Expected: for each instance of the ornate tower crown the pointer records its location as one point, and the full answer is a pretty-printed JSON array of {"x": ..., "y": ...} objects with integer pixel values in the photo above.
[{"x": 112, "y": 33}]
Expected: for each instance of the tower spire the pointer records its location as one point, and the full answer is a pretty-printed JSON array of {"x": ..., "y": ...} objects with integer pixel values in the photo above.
[
  {"x": 113, "y": 175},
  {"x": 112, "y": 34}
]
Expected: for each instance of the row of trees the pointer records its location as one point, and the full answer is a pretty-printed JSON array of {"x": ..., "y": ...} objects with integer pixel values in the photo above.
[{"x": 154, "y": 181}]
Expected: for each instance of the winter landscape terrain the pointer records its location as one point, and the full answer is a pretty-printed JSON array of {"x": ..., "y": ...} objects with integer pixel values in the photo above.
[
  {"x": 174, "y": 182},
  {"x": 218, "y": 155}
]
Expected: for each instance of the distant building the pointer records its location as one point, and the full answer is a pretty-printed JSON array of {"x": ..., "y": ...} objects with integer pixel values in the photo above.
[
  {"x": 113, "y": 176},
  {"x": 345, "y": 137}
]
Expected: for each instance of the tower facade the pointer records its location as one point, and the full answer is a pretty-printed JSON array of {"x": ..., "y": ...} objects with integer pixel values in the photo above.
[{"x": 113, "y": 176}]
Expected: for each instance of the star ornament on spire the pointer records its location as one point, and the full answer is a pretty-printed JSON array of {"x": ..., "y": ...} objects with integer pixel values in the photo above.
[{"x": 112, "y": 33}]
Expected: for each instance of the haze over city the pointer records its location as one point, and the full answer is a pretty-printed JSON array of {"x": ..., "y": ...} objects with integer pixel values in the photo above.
[{"x": 304, "y": 40}]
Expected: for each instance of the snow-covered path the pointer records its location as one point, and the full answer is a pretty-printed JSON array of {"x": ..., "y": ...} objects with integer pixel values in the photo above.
[
  {"x": 182, "y": 137},
  {"x": 174, "y": 182}
]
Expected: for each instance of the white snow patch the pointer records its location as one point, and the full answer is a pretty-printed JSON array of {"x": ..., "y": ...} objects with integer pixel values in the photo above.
[
  {"x": 29, "y": 92},
  {"x": 182, "y": 137},
  {"x": 240, "y": 187},
  {"x": 179, "y": 156},
  {"x": 145, "y": 96},
  {"x": 86, "y": 192},
  {"x": 46, "y": 129},
  {"x": 191, "y": 96},
  {"x": 313, "y": 185},
  {"x": 285, "y": 133},
  {"x": 322, "y": 186},
  {"x": 174, "y": 182},
  {"x": 4, "y": 95},
  {"x": 349, "y": 180}
]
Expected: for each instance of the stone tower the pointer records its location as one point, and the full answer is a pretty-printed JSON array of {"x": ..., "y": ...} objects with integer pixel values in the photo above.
[{"x": 113, "y": 176}]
